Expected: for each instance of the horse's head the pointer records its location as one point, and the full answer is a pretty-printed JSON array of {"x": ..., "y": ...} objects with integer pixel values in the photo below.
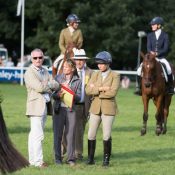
[
  {"x": 148, "y": 68},
  {"x": 70, "y": 48}
]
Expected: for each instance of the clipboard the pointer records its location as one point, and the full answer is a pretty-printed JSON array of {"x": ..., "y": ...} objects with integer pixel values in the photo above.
[{"x": 68, "y": 97}]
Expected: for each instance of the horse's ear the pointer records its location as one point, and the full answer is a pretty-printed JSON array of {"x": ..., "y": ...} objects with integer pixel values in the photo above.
[
  {"x": 142, "y": 55},
  {"x": 66, "y": 42},
  {"x": 79, "y": 43}
]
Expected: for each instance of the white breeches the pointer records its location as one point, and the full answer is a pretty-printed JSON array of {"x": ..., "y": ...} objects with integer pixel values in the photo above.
[
  {"x": 55, "y": 64},
  {"x": 163, "y": 60}
]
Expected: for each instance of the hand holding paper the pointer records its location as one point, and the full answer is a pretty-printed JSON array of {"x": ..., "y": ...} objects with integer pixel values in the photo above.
[
  {"x": 68, "y": 96},
  {"x": 60, "y": 94}
]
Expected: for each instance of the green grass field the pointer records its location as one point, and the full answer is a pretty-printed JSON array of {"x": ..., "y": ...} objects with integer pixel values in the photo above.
[{"x": 132, "y": 154}]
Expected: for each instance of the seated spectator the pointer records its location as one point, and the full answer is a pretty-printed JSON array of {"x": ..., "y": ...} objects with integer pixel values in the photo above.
[
  {"x": 1, "y": 61},
  {"x": 19, "y": 63},
  {"x": 10, "y": 63},
  {"x": 125, "y": 83}
]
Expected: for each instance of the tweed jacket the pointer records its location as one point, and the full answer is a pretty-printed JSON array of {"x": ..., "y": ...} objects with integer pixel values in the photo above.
[
  {"x": 75, "y": 86},
  {"x": 66, "y": 35},
  {"x": 104, "y": 101},
  {"x": 87, "y": 98},
  {"x": 35, "y": 100},
  {"x": 160, "y": 46}
]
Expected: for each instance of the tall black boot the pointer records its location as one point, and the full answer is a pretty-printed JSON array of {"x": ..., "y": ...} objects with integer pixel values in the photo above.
[
  {"x": 139, "y": 81},
  {"x": 107, "y": 151},
  {"x": 91, "y": 152},
  {"x": 170, "y": 82}
]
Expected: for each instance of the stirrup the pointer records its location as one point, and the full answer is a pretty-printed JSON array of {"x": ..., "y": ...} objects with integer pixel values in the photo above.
[
  {"x": 138, "y": 92},
  {"x": 171, "y": 91}
]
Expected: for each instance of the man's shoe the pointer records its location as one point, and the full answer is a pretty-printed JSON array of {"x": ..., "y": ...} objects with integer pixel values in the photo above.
[
  {"x": 43, "y": 165},
  {"x": 58, "y": 162}
]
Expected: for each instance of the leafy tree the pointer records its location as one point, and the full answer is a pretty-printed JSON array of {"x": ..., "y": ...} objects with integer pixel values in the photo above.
[{"x": 110, "y": 25}]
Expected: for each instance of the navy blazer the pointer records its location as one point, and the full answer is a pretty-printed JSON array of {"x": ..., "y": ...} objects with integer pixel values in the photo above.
[{"x": 160, "y": 46}]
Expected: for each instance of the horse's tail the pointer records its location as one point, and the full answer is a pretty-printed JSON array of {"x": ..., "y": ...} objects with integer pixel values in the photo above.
[{"x": 10, "y": 159}]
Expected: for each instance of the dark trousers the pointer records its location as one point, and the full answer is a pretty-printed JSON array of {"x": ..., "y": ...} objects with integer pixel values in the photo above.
[
  {"x": 81, "y": 120},
  {"x": 67, "y": 119}
]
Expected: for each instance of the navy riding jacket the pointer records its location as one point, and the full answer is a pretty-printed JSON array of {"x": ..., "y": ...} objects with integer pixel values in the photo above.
[{"x": 160, "y": 46}]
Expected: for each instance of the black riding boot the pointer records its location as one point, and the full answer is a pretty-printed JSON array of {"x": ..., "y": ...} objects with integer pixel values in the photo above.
[
  {"x": 91, "y": 152},
  {"x": 170, "y": 82},
  {"x": 107, "y": 151},
  {"x": 139, "y": 81}
]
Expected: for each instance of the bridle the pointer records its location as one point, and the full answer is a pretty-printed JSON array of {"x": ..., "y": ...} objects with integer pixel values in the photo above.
[
  {"x": 153, "y": 74},
  {"x": 69, "y": 52}
]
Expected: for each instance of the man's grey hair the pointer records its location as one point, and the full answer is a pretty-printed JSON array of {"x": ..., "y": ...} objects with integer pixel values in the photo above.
[{"x": 38, "y": 50}]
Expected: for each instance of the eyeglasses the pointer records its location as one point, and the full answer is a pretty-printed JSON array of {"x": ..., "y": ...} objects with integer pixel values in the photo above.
[{"x": 35, "y": 58}]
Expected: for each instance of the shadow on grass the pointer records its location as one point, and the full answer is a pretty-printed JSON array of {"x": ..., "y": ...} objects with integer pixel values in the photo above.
[
  {"x": 132, "y": 128},
  {"x": 22, "y": 129},
  {"x": 153, "y": 155}
]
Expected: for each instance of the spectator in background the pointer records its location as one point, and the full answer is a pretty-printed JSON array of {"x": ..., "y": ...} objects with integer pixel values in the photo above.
[
  {"x": 10, "y": 63},
  {"x": 1, "y": 61},
  {"x": 19, "y": 63},
  {"x": 125, "y": 83}
]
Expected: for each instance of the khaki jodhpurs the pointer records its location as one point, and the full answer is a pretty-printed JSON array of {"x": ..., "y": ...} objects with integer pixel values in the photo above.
[{"x": 94, "y": 124}]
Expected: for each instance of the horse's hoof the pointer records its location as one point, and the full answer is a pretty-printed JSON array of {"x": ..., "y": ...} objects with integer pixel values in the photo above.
[
  {"x": 143, "y": 132},
  {"x": 158, "y": 132},
  {"x": 164, "y": 132}
]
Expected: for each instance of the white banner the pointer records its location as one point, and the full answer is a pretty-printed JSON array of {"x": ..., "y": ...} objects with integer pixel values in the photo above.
[{"x": 19, "y": 7}]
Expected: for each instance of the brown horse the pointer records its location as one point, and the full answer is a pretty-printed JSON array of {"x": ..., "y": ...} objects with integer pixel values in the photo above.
[
  {"x": 154, "y": 87},
  {"x": 68, "y": 54}
]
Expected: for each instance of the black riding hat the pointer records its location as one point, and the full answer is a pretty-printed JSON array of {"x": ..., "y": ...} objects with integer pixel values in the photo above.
[
  {"x": 72, "y": 18},
  {"x": 157, "y": 20},
  {"x": 103, "y": 58}
]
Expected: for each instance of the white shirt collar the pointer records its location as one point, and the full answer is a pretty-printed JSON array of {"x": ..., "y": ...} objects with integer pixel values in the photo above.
[
  {"x": 105, "y": 73},
  {"x": 71, "y": 30},
  {"x": 38, "y": 68},
  {"x": 80, "y": 69},
  {"x": 157, "y": 33}
]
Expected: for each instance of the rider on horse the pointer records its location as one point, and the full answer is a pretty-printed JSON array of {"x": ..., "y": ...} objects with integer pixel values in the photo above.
[
  {"x": 71, "y": 34},
  {"x": 157, "y": 42}
]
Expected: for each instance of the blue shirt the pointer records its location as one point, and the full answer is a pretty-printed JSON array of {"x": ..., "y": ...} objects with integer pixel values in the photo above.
[{"x": 41, "y": 71}]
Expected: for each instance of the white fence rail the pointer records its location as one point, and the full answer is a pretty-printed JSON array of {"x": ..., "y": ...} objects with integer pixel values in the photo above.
[{"x": 14, "y": 73}]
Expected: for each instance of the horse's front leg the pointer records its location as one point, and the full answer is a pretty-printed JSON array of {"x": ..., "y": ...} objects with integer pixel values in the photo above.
[
  {"x": 145, "y": 114},
  {"x": 166, "y": 111},
  {"x": 158, "y": 115}
]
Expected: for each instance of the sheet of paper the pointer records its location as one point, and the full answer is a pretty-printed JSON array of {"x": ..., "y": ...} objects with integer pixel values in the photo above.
[{"x": 68, "y": 97}]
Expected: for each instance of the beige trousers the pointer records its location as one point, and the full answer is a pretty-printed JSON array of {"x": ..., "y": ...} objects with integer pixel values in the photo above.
[{"x": 94, "y": 124}]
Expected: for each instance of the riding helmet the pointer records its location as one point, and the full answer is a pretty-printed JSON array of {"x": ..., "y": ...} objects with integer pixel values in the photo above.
[
  {"x": 103, "y": 58},
  {"x": 72, "y": 18},
  {"x": 157, "y": 20}
]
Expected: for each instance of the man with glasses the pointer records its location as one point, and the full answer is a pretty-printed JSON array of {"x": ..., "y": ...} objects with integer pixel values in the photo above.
[{"x": 39, "y": 84}]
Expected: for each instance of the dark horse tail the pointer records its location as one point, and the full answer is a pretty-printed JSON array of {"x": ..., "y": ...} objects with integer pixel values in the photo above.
[{"x": 10, "y": 159}]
